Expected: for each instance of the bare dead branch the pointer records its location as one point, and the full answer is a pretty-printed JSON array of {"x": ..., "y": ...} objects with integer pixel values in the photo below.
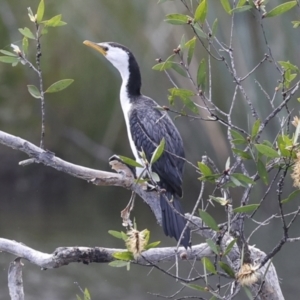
[
  {"x": 15, "y": 280},
  {"x": 65, "y": 255},
  {"x": 124, "y": 178},
  {"x": 270, "y": 290}
]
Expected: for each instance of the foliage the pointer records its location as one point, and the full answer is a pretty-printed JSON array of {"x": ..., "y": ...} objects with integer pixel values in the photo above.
[
  {"x": 257, "y": 158},
  {"x": 136, "y": 242},
  {"x": 254, "y": 158},
  {"x": 41, "y": 28}
]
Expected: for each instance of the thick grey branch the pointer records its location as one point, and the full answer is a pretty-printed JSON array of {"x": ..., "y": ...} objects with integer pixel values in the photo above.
[
  {"x": 123, "y": 178},
  {"x": 267, "y": 287},
  {"x": 65, "y": 255},
  {"x": 15, "y": 280}
]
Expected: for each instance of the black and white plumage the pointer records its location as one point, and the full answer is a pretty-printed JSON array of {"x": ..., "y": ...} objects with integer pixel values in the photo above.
[{"x": 146, "y": 126}]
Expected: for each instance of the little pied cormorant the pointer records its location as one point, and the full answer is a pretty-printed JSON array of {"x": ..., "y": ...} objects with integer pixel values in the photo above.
[{"x": 146, "y": 127}]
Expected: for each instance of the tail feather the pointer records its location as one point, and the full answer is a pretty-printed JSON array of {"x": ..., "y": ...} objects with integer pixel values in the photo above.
[{"x": 172, "y": 223}]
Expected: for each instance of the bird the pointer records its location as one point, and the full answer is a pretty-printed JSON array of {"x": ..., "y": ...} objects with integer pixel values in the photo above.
[{"x": 146, "y": 127}]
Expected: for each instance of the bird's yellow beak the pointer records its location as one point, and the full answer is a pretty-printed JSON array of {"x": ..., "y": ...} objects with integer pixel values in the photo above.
[{"x": 95, "y": 46}]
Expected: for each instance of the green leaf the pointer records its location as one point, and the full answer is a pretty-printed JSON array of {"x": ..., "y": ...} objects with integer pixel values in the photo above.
[
  {"x": 290, "y": 197},
  {"x": 207, "y": 264},
  {"x": 152, "y": 245},
  {"x": 280, "y": 9},
  {"x": 286, "y": 65},
  {"x": 212, "y": 245},
  {"x": 201, "y": 12},
  {"x": 154, "y": 176},
  {"x": 8, "y": 59},
  {"x": 176, "y": 19},
  {"x": 146, "y": 235},
  {"x": 248, "y": 292},
  {"x": 289, "y": 77},
  {"x": 125, "y": 256},
  {"x": 59, "y": 85},
  {"x": 199, "y": 31},
  {"x": 40, "y": 12},
  {"x": 246, "y": 208},
  {"x": 8, "y": 53},
  {"x": 226, "y": 268},
  {"x": 237, "y": 135},
  {"x": 27, "y": 32},
  {"x": 238, "y": 139},
  {"x": 25, "y": 45},
  {"x": 116, "y": 234},
  {"x": 283, "y": 144},
  {"x": 219, "y": 200},
  {"x": 241, "y": 3},
  {"x": 296, "y": 24},
  {"x": 182, "y": 43},
  {"x": 239, "y": 142},
  {"x": 204, "y": 169},
  {"x": 255, "y": 128},
  {"x": 191, "y": 47},
  {"x": 226, "y": 6},
  {"x": 195, "y": 287},
  {"x": 190, "y": 104},
  {"x": 158, "y": 151},
  {"x": 214, "y": 27},
  {"x": 241, "y": 9},
  {"x": 201, "y": 75},
  {"x": 34, "y": 92},
  {"x": 235, "y": 181},
  {"x": 86, "y": 294},
  {"x": 208, "y": 220},
  {"x": 61, "y": 23},
  {"x": 118, "y": 263},
  {"x": 242, "y": 153},
  {"x": 229, "y": 247},
  {"x": 243, "y": 178},
  {"x": 53, "y": 22},
  {"x": 178, "y": 68},
  {"x": 210, "y": 178},
  {"x": 130, "y": 162},
  {"x": 30, "y": 14},
  {"x": 262, "y": 172},
  {"x": 163, "y": 66},
  {"x": 184, "y": 95},
  {"x": 267, "y": 151}
]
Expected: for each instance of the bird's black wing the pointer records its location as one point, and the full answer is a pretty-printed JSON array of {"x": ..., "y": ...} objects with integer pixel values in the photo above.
[{"x": 148, "y": 126}]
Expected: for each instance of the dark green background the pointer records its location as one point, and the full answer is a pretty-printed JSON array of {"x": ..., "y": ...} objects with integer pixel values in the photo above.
[{"x": 45, "y": 209}]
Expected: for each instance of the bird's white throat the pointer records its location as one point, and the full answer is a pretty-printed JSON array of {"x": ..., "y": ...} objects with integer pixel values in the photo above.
[{"x": 126, "y": 108}]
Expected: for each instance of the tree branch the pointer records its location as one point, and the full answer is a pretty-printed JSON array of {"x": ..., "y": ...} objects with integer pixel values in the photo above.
[
  {"x": 65, "y": 255},
  {"x": 124, "y": 178},
  {"x": 267, "y": 287}
]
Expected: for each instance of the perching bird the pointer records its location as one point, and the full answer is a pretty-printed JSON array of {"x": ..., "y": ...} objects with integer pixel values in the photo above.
[{"x": 146, "y": 127}]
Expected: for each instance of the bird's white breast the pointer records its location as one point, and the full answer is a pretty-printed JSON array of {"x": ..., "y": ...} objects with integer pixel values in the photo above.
[{"x": 126, "y": 107}]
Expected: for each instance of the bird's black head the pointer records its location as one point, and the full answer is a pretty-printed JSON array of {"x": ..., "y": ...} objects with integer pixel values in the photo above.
[{"x": 123, "y": 60}]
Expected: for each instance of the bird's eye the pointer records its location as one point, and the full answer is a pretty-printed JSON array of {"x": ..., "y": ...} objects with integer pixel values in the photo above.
[{"x": 105, "y": 48}]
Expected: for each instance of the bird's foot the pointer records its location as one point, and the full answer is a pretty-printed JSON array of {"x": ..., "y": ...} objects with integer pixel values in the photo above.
[{"x": 120, "y": 166}]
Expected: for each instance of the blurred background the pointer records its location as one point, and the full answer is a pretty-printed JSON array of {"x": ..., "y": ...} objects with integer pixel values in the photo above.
[{"x": 46, "y": 209}]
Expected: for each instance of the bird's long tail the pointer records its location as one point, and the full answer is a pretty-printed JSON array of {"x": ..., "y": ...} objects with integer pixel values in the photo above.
[{"x": 173, "y": 223}]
